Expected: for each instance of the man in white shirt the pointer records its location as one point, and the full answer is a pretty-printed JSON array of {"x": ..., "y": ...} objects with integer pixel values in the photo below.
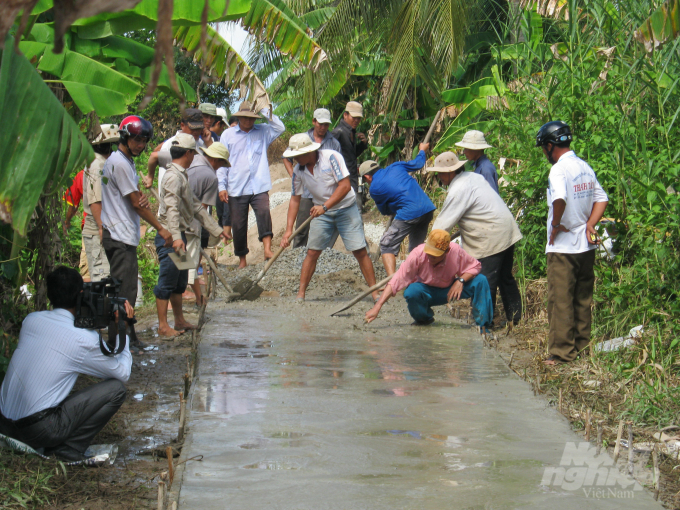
[
  {"x": 488, "y": 230},
  {"x": 324, "y": 174},
  {"x": 576, "y": 202},
  {"x": 248, "y": 181},
  {"x": 35, "y": 405}
]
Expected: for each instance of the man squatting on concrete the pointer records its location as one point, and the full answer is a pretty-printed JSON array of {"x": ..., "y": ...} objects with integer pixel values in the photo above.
[
  {"x": 396, "y": 192},
  {"x": 352, "y": 143},
  {"x": 435, "y": 273},
  {"x": 474, "y": 144},
  {"x": 122, "y": 206},
  {"x": 487, "y": 228},
  {"x": 576, "y": 203},
  {"x": 248, "y": 181},
  {"x": 324, "y": 174},
  {"x": 319, "y": 134},
  {"x": 97, "y": 262},
  {"x": 203, "y": 182},
  {"x": 36, "y": 404},
  {"x": 179, "y": 207}
]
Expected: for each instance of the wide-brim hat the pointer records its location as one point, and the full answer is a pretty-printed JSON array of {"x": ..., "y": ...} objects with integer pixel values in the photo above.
[
  {"x": 446, "y": 162},
  {"x": 245, "y": 110},
  {"x": 474, "y": 140},
  {"x": 300, "y": 144},
  {"x": 217, "y": 150},
  {"x": 109, "y": 134}
]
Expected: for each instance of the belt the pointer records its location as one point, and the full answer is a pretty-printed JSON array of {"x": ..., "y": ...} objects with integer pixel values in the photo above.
[{"x": 31, "y": 419}]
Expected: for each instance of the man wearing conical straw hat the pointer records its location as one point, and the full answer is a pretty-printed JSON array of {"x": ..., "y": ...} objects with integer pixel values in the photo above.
[{"x": 487, "y": 228}]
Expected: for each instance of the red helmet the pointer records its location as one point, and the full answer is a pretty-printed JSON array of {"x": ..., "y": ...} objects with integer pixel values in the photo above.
[{"x": 132, "y": 126}]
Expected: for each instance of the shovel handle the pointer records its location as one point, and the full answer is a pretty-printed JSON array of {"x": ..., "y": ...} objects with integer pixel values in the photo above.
[
  {"x": 278, "y": 252},
  {"x": 432, "y": 126},
  {"x": 363, "y": 295},
  {"x": 216, "y": 271}
]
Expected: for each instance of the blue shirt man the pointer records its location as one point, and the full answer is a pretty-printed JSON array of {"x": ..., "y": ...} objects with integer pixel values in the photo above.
[
  {"x": 473, "y": 144},
  {"x": 397, "y": 193}
]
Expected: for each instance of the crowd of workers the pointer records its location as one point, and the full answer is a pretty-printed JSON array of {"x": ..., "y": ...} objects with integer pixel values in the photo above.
[{"x": 217, "y": 162}]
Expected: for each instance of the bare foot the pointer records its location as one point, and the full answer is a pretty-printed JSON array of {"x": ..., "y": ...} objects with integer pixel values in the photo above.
[
  {"x": 375, "y": 295},
  {"x": 551, "y": 361},
  {"x": 300, "y": 297},
  {"x": 268, "y": 254},
  {"x": 242, "y": 263},
  {"x": 169, "y": 332},
  {"x": 184, "y": 326}
]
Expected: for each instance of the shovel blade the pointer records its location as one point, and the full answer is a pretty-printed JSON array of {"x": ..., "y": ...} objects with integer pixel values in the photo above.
[{"x": 246, "y": 289}]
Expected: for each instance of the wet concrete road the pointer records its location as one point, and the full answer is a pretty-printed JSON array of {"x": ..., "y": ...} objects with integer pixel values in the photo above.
[{"x": 298, "y": 413}]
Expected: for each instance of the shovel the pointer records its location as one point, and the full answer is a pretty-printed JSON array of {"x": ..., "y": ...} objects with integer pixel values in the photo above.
[
  {"x": 231, "y": 296},
  {"x": 361, "y": 296},
  {"x": 249, "y": 288}
]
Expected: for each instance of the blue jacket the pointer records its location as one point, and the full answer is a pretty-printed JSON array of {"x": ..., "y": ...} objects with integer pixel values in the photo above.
[
  {"x": 485, "y": 168},
  {"x": 396, "y": 192}
]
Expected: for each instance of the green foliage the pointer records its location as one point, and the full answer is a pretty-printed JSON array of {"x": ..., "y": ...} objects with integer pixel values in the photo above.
[{"x": 26, "y": 484}]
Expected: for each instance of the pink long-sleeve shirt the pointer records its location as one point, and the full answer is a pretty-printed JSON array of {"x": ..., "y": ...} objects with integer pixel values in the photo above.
[{"x": 417, "y": 268}]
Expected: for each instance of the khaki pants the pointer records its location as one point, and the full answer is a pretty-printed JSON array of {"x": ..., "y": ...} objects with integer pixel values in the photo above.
[
  {"x": 82, "y": 265},
  {"x": 97, "y": 263},
  {"x": 570, "y": 294}
]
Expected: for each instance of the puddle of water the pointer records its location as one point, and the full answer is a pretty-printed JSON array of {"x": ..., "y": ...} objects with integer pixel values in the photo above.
[{"x": 139, "y": 397}]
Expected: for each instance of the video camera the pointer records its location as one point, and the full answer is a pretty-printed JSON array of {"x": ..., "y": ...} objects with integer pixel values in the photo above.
[{"x": 96, "y": 308}]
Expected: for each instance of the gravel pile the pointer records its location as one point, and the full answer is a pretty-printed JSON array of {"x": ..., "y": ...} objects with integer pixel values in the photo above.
[
  {"x": 275, "y": 199},
  {"x": 284, "y": 276},
  {"x": 374, "y": 231}
]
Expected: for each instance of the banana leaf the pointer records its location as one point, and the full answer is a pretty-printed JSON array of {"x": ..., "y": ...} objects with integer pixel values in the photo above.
[
  {"x": 145, "y": 15},
  {"x": 662, "y": 26},
  {"x": 40, "y": 144}
]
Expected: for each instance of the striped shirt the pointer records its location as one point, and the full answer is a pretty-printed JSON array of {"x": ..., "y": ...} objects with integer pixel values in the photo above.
[{"x": 51, "y": 354}]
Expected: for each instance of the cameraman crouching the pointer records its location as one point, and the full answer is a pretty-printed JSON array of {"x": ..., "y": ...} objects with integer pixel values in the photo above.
[{"x": 35, "y": 405}]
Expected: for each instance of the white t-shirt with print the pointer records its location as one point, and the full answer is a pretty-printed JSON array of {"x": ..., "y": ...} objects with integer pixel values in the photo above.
[
  {"x": 572, "y": 180},
  {"x": 329, "y": 170}
]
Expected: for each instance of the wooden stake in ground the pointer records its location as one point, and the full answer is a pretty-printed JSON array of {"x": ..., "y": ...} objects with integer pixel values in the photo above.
[
  {"x": 617, "y": 446},
  {"x": 657, "y": 473},
  {"x": 161, "y": 495},
  {"x": 631, "y": 468},
  {"x": 231, "y": 294},
  {"x": 171, "y": 467},
  {"x": 599, "y": 437},
  {"x": 588, "y": 425},
  {"x": 182, "y": 416},
  {"x": 559, "y": 401}
]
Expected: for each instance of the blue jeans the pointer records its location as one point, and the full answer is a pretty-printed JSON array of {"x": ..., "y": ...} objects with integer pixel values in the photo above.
[
  {"x": 170, "y": 279},
  {"x": 421, "y": 298}
]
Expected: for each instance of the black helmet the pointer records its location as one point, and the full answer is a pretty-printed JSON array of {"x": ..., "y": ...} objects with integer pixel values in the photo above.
[
  {"x": 134, "y": 125},
  {"x": 555, "y": 132}
]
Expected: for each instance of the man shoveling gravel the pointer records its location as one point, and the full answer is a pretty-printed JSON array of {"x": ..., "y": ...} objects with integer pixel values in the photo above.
[{"x": 324, "y": 174}]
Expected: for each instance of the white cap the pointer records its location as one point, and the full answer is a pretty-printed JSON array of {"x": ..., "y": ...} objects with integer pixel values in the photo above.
[
  {"x": 322, "y": 116},
  {"x": 300, "y": 144},
  {"x": 221, "y": 112},
  {"x": 474, "y": 140}
]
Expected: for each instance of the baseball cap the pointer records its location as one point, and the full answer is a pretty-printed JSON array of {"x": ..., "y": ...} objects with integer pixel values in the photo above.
[
  {"x": 218, "y": 151},
  {"x": 354, "y": 109},
  {"x": 193, "y": 117},
  {"x": 322, "y": 116},
  {"x": 437, "y": 242},
  {"x": 184, "y": 141},
  {"x": 208, "y": 109},
  {"x": 368, "y": 167}
]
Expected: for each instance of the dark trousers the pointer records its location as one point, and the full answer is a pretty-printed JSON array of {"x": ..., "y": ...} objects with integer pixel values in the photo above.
[
  {"x": 75, "y": 422},
  {"x": 223, "y": 213},
  {"x": 238, "y": 207},
  {"x": 170, "y": 279},
  {"x": 123, "y": 262},
  {"x": 498, "y": 271},
  {"x": 306, "y": 205},
  {"x": 571, "y": 278}
]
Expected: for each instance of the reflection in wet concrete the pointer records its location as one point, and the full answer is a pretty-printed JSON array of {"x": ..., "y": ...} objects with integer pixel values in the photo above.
[{"x": 294, "y": 415}]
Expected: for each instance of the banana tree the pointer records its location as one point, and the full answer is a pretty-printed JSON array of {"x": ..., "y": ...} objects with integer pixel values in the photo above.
[{"x": 662, "y": 26}]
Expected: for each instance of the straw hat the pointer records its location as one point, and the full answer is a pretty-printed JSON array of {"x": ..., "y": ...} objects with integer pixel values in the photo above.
[
  {"x": 446, "y": 162},
  {"x": 437, "y": 242},
  {"x": 300, "y": 144},
  {"x": 108, "y": 134},
  {"x": 218, "y": 151},
  {"x": 367, "y": 167},
  {"x": 474, "y": 140},
  {"x": 245, "y": 111}
]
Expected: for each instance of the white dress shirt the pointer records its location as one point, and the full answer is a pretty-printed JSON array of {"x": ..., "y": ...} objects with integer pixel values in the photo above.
[
  {"x": 249, "y": 171},
  {"x": 51, "y": 354}
]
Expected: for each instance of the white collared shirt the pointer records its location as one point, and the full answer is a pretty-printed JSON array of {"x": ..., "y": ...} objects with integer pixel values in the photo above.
[
  {"x": 51, "y": 354},
  {"x": 329, "y": 170},
  {"x": 249, "y": 170}
]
